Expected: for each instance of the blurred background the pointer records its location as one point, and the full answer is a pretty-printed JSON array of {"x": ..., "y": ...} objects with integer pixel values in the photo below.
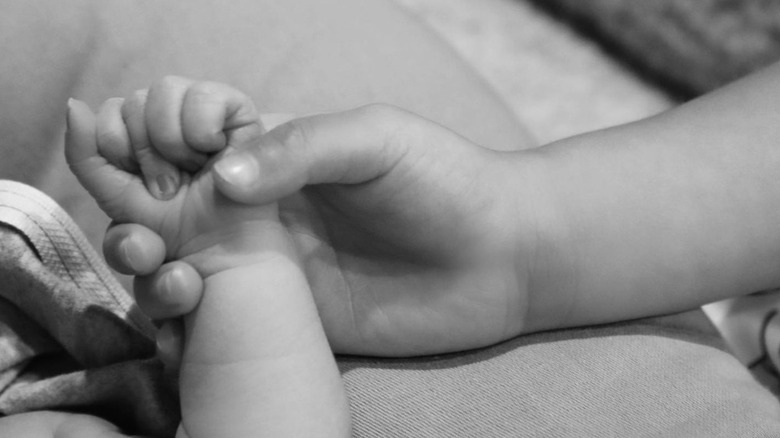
[{"x": 568, "y": 66}]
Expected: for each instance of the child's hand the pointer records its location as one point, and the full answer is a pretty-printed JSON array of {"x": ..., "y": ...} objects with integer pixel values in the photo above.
[
  {"x": 412, "y": 240},
  {"x": 116, "y": 154}
]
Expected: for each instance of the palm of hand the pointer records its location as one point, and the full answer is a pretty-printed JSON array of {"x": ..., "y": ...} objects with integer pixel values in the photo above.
[{"x": 406, "y": 265}]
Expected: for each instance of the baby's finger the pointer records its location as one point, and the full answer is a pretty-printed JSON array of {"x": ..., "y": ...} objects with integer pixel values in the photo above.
[
  {"x": 112, "y": 138},
  {"x": 170, "y": 343},
  {"x": 215, "y": 115},
  {"x": 165, "y": 121},
  {"x": 117, "y": 192},
  {"x": 133, "y": 249},
  {"x": 162, "y": 178},
  {"x": 172, "y": 291}
]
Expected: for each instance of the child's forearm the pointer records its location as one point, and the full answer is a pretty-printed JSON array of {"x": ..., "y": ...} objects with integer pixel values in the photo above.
[
  {"x": 279, "y": 375},
  {"x": 664, "y": 214}
]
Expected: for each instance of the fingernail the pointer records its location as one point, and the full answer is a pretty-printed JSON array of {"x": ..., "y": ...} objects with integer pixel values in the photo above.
[
  {"x": 238, "y": 169},
  {"x": 129, "y": 249},
  {"x": 167, "y": 186}
]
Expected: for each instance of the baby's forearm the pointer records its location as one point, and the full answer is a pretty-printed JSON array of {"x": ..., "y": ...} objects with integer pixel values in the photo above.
[
  {"x": 664, "y": 214},
  {"x": 273, "y": 377}
]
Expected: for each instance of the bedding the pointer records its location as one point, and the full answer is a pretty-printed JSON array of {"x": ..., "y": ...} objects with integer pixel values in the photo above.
[
  {"x": 70, "y": 338},
  {"x": 690, "y": 47}
]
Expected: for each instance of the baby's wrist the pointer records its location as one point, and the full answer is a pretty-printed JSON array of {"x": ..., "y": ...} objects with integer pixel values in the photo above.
[
  {"x": 244, "y": 245},
  {"x": 272, "y": 292}
]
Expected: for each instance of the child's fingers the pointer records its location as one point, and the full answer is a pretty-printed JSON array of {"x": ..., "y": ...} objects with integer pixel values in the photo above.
[
  {"x": 161, "y": 178},
  {"x": 164, "y": 107},
  {"x": 173, "y": 290},
  {"x": 133, "y": 249},
  {"x": 112, "y": 138},
  {"x": 349, "y": 147},
  {"x": 116, "y": 191},
  {"x": 215, "y": 115}
]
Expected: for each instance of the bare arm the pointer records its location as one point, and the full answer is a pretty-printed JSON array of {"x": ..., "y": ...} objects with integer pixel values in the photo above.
[
  {"x": 664, "y": 214},
  {"x": 275, "y": 376}
]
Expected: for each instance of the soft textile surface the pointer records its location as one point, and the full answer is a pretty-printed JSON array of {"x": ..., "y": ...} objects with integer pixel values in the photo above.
[
  {"x": 70, "y": 339},
  {"x": 692, "y": 45},
  {"x": 557, "y": 82}
]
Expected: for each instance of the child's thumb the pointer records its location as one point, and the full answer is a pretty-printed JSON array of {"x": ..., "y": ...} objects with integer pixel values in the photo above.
[{"x": 349, "y": 147}]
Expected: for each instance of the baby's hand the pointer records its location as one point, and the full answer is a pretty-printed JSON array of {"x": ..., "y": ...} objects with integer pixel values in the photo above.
[
  {"x": 144, "y": 159},
  {"x": 256, "y": 317}
]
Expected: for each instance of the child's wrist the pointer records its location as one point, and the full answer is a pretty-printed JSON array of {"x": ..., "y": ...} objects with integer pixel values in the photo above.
[{"x": 544, "y": 262}]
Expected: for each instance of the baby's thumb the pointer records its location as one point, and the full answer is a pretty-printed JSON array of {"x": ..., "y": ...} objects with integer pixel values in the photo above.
[{"x": 349, "y": 147}]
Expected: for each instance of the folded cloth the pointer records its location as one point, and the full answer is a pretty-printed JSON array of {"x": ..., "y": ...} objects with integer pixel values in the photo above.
[
  {"x": 70, "y": 337},
  {"x": 71, "y": 340}
]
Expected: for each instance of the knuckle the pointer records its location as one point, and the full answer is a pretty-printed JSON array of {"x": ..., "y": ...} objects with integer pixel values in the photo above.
[
  {"x": 203, "y": 88},
  {"x": 197, "y": 94},
  {"x": 394, "y": 123},
  {"x": 206, "y": 93},
  {"x": 133, "y": 104},
  {"x": 110, "y": 141}
]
